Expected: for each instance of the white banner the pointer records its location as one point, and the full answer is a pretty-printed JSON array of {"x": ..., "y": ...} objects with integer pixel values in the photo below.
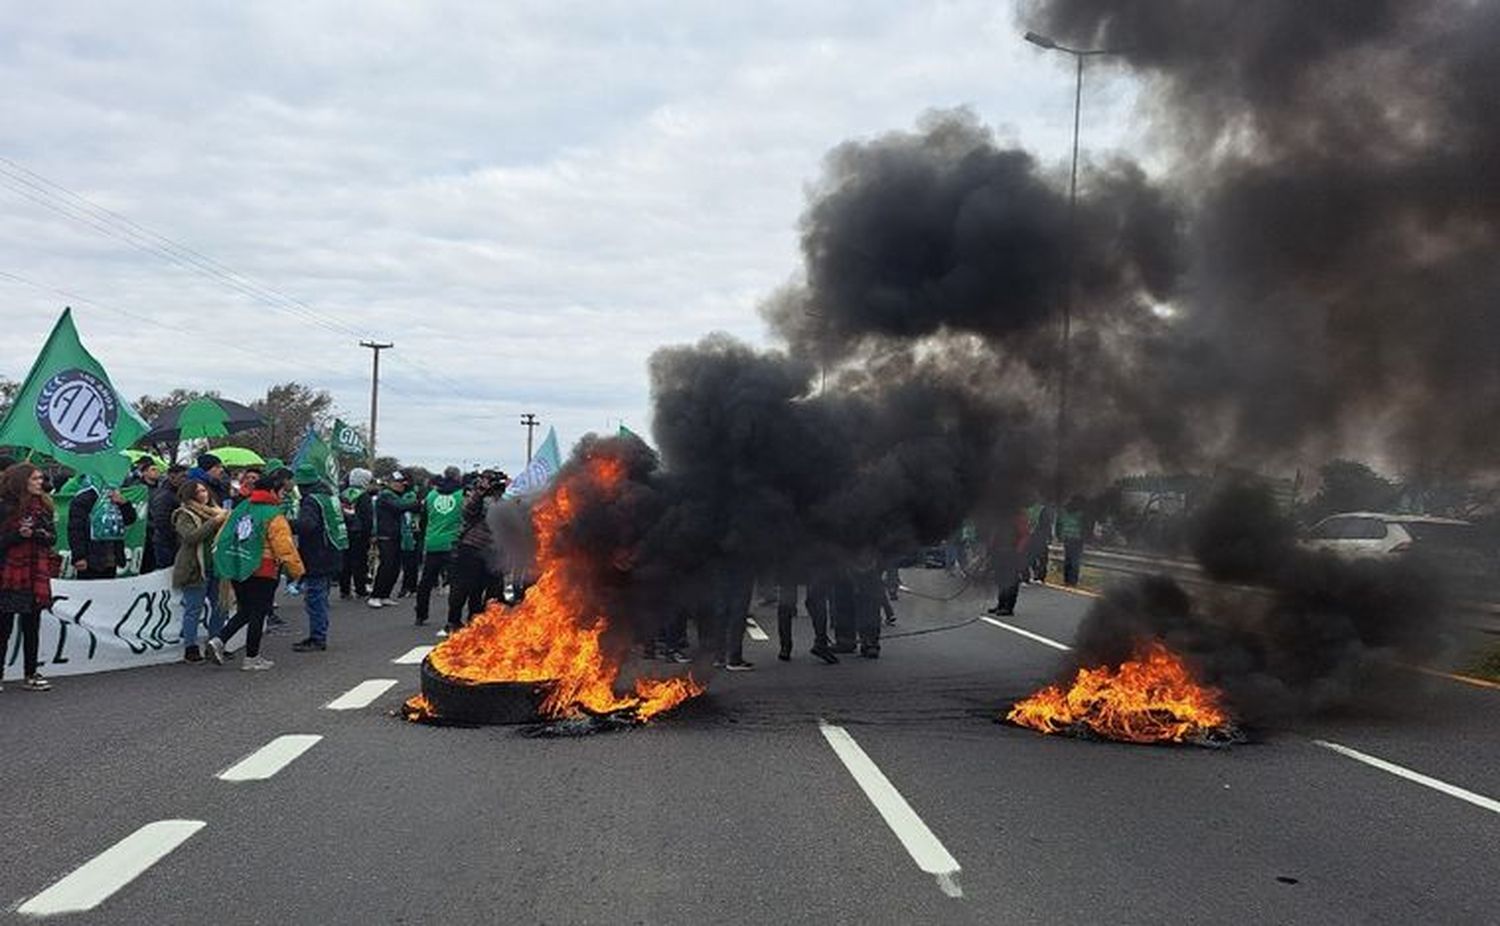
[{"x": 105, "y": 624}]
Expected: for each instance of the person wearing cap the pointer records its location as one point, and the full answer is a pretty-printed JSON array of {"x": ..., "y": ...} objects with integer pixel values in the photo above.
[
  {"x": 321, "y": 541},
  {"x": 390, "y": 511}
]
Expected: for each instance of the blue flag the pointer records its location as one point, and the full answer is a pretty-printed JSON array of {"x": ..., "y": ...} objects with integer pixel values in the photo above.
[{"x": 543, "y": 466}]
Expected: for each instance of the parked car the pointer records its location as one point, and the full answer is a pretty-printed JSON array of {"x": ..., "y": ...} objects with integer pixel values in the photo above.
[{"x": 1370, "y": 533}]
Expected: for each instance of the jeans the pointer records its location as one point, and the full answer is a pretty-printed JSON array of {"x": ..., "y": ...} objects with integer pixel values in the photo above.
[
  {"x": 733, "y": 589},
  {"x": 255, "y": 596},
  {"x": 315, "y": 599},
  {"x": 431, "y": 566},
  {"x": 31, "y": 638},
  {"x": 1072, "y": 560},
  {"x": 194, "y": 599}
]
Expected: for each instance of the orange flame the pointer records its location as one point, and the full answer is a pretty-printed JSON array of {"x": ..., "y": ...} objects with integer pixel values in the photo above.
[
  {"x": 556, "y": 635},
  {"x": 1151, "y": 698}
]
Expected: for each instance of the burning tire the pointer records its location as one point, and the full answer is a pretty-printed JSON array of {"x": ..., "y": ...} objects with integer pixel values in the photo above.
[{"x": 464, "y": 702}]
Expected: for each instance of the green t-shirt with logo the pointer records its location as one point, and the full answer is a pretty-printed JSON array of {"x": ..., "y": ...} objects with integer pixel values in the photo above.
[{"x": 444, "y": 518}]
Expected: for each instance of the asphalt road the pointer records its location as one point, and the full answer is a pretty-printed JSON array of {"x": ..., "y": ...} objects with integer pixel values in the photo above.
[{"x": 739, "y": 808}]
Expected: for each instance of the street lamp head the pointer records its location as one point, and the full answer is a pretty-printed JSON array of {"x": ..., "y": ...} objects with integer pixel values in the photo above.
[{"x": 1041, "y": 41}]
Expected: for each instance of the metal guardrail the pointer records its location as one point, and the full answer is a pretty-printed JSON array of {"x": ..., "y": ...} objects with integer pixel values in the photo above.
[{"x": 1481, "y": 615}]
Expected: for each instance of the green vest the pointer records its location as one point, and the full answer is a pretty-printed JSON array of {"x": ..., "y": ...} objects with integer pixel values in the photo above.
[
  {"x": 242, "y": 542},
  {"x": 333, "y": 519},
  {"x": 1070, "y": 525},
  {"x": 445, "y": 513},
  {"x": 408, "y": 524}
]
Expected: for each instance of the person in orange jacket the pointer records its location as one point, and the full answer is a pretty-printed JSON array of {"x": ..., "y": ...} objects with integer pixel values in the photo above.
[{"x": 253, "y": 547}]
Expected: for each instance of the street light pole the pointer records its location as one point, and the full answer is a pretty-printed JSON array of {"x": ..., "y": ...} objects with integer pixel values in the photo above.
[
  {"x": 374, "y": 391},
  {"x": 1065, "y": 360}
]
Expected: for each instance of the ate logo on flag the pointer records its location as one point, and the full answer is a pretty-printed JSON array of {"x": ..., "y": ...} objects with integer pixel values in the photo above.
[{"x": 77, "y": 411}]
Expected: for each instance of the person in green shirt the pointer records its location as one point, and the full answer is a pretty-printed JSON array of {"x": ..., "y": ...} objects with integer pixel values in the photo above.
[
  {"x": 443, "y": 513},
  {"x": 1071, "y": 528}
]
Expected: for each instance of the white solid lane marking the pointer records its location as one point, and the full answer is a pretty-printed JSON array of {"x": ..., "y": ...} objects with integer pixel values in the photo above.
[
  {"x": 94, "y": 881},
  {"x": 920, "y": 843},
  {"x": 270, "y": 758},
  {"x": 756, "y": 633},
  {"x": 412, "y": 656},
  {"x": 1045, "y": 641},
  {"x": 1463, "y": 794},
  {"x": 361, "y": 695}
]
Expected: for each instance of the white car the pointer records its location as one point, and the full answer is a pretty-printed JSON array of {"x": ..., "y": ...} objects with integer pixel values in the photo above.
[{"x": 1370, "y": 533}]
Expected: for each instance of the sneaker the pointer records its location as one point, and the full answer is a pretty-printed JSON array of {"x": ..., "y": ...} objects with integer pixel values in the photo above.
[
  {"x": 890, "y": 620},
  {"x": 739, "y": 666},
  {"x": 216, "y": 651},
  {"x": 678, "y": 656},
  {"x": 36, "y": 683},
  {"x": 822, "y": 651},
  {"x": 375, "y": 603},
  {"x": 310, "y": 645},
  {"x": 192, "y": 653},
  {"x": 446, "y": 632},
  {"x": 256, "y": 664}
]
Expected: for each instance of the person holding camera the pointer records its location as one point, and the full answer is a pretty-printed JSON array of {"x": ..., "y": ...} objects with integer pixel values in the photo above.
[{"x": 27, "y": 564}]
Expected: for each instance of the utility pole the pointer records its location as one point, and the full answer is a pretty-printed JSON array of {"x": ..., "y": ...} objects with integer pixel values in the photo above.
[
  {"x": 530, "y": 421},
  {"x": 374, "y": 391}
]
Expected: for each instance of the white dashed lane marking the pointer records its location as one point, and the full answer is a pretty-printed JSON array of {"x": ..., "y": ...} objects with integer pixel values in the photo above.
[
  {"x": 924, "y": 848},
  {"x": 361, "y": 695},
  {"x": 1463, "y": 794},
  {"x": 94, "y": 881},
  {"x": 270, "y": 758},
  {"x": 412, "y": 656},
  {"x": 1021, "y": 631}
]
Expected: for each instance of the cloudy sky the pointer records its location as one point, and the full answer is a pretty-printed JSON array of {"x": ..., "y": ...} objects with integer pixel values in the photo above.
[{"x": 527, "y": 198}]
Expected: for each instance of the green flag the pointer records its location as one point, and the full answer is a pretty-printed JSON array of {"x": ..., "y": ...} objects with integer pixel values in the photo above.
[
  {"x": 348, "y": 441},
  {"x": 68, "y": 410},
  {"x": 315, "y": 452}
]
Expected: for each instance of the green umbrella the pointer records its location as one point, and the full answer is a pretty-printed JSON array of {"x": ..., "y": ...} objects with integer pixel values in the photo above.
[
  {"x": 202, "y": 417},
  {"x": 137, "y": 455},
  {"x": 237, "y": 456}
]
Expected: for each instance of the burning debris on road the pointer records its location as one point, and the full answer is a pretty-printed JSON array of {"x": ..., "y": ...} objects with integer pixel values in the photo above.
[
  {"x": 1152, "y": 698},
  {"x": 553, "y": 655}
]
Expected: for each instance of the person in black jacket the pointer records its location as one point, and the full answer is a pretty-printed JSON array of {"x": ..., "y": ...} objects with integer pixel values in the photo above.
[
  {"x": 96, "y": 537},
  {"x": 390, "y": 508},
  {"x": 162, "y": 536},
  {"x": 321, "y": 541}
]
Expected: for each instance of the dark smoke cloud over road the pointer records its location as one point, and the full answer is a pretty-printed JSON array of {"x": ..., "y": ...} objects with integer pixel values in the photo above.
[{"x": 1309, "y": 268}]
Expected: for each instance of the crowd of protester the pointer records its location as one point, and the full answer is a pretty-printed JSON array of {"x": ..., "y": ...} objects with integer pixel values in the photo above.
[{"x": 230, "y": 539}]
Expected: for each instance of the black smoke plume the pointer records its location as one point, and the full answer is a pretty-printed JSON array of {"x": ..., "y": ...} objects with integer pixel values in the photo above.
[
  {"x": 1311, "y": 271},
  {"x": 1290, "y": 631}
]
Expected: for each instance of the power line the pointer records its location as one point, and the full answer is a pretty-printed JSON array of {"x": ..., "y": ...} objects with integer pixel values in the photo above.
[{"x": 72, "y": 205}]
